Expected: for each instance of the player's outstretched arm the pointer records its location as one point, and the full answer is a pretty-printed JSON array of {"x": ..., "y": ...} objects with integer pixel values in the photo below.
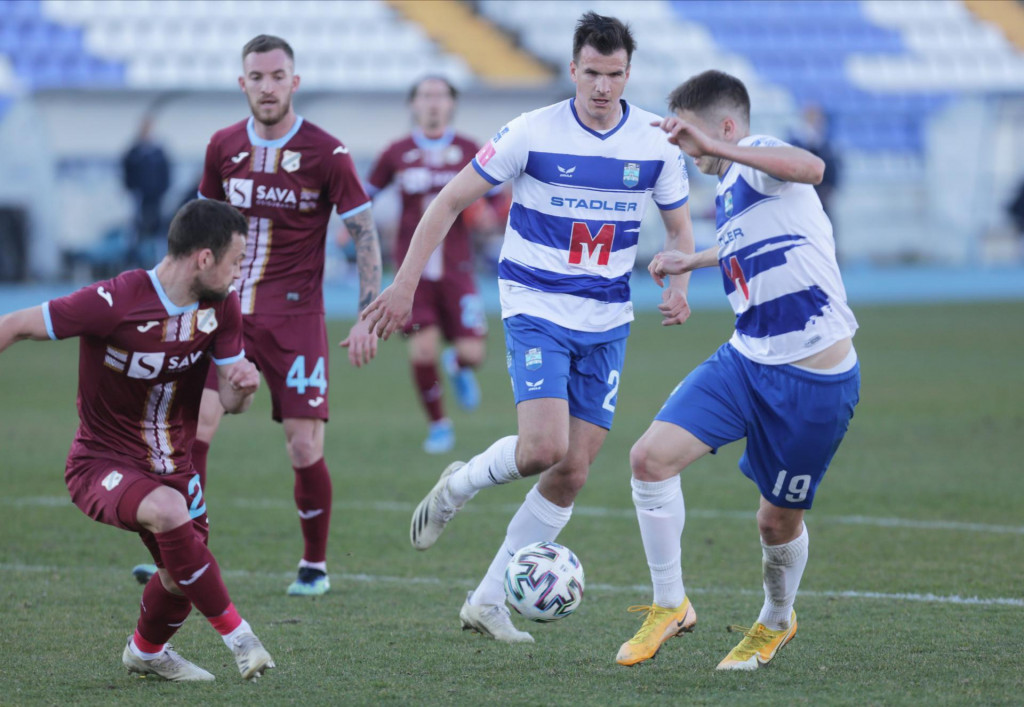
[
  {"x": 236, "y": 384},
  {"x": 676, "y": 262},
  {"x": 784, "y": 162},
  {"x": 23, "y": 324},
  {"x": 361, "y": 342},
  {"x": 674, "y": 307},
  {"x": 389, "y": 312}
]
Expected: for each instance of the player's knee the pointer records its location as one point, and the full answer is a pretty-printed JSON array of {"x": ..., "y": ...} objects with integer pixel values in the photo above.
[
  {"x": 646, "y": 465},
  {"x": 163, "y": 509},
  {"x": 303, "y": 451},
  {"x": 779, "y": 525},
  {"x": 533, "y": 457},
  {"x": 569, "y": 476}
]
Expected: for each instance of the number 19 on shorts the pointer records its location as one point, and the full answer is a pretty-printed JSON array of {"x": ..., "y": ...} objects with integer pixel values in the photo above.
[
  {"x": 797, "y": 488},
  {"x": 298, "y": 379}
]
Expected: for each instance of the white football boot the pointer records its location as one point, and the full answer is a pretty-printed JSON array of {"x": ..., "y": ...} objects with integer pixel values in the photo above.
[
  {"x": 168, "y": 665},
  {"x": 493, "y": 621},
  {"x": 433, "y": 512},
  {"x": 251, "y": 657}
]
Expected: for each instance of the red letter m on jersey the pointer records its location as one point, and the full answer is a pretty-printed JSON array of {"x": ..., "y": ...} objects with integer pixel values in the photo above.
[{"x": 599, "y": 245}]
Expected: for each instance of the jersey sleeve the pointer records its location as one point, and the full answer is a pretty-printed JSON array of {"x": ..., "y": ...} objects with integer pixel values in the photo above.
[
  {"x": 762, "y": 181},
  {"x": 94, "y": 310},
  {"x": 504, "y": 156},
  {"x": 672, "y": 189},
  {"x": 382, "y": 173},
  {"x": 344, "y": 188},
  {"x": 211, "y": 186},
  {"x": 228, "y": 347}
]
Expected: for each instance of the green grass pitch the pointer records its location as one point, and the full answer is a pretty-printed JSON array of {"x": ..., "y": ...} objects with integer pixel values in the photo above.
[{"x": 920, "y": 513}]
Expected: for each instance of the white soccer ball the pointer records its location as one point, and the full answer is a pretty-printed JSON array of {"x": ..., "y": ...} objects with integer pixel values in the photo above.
[{"x": 544, "y": 582}]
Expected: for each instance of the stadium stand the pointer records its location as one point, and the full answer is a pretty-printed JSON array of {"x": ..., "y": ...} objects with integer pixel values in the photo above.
[{"x": 155, "y": 44}]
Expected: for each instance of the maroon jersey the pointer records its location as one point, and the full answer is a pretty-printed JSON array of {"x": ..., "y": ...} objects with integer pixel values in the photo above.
[
  {"x": 421, "y": 167},
  {"x": 141, "y": 368},
  {"x": 286, "y": 188}
]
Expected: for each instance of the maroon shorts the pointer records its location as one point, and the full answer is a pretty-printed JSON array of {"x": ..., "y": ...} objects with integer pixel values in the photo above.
[
  {"x": 291, "y": 353},
  {"x": 110, "y": 492},
  {"x": 451, "y": 303}
]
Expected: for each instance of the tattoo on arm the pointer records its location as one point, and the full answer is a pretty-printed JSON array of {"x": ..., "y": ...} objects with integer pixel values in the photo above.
[{"x": 364, "y": 234}]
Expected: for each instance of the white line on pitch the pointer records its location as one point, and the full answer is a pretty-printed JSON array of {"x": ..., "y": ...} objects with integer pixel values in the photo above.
[
  {"x": 590, "y": 511},
  {"x": 925, "y": 598}
]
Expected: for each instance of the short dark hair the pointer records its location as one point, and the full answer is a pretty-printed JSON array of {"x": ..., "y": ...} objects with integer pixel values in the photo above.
[
  {"x": 263, "y": 43},
  {"x": 204, "y": 223},
  {"x": 432, "y": 77},
  {"x": 605, "y": 34},
  {"x": 708, "y": 91}
]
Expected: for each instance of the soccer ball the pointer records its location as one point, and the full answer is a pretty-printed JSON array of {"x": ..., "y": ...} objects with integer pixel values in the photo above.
[{"x": 544, "y": 582}]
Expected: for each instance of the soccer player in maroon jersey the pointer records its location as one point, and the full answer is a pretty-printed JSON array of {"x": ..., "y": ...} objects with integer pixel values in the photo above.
[
  {"x": 286, "y": 175},
  {"x": 146, "y": 340},
  {"x": 446, "y": 302}
]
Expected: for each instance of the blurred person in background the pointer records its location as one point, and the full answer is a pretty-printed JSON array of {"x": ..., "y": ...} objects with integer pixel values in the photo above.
[
  {"x": 446, "y": 304},
  {"x": 147, "y": 177},
  {"x": 812, "y": 134}
]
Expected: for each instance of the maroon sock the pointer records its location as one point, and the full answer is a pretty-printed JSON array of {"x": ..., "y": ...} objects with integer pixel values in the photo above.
[
  {"x": 200, "y": 450},
  {"x": 313, "y": 501},
  {"x": 161, "y": 613},
  {"x": 194, "y": 569},
  {"x": 428, "y": 384}
]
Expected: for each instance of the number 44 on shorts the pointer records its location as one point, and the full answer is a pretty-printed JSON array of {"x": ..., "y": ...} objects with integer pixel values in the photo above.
[{"x": 298, "y": 379}]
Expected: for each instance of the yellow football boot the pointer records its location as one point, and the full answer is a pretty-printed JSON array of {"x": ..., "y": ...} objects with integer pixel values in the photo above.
[
  {"x": 659, "y": 625},
  {"x": 759, "y": 645}
]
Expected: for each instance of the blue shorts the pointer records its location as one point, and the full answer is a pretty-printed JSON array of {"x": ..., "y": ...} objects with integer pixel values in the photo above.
[
  {"x": 793, "y": 419},
  {"x": 549, "y": 361}
]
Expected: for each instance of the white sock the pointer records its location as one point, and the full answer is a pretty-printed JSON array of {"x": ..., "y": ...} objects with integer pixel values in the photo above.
[
  {"x": 243, "y": 627},
  {"x": 783, "y": 566},
  {"x": 495, "y": 465},
  {"x": 536, "y": 520},
  {"x": 322, "y": 566},
  {"x": 661, "y": 512},
  {"x": 143, "y": 654}
]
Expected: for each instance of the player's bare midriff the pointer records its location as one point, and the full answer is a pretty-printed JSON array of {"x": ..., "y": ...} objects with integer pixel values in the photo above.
[{"x": 827, "y": 358}]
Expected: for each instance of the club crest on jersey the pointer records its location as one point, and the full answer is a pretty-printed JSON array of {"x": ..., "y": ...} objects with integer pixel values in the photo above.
[
  {"x": 290, "y": 160},
  {"x": 727, "y": 202},
  {"x": 534, "y": 359},
  {"x": 631, "y": 174},
  {"x": 453, "y": 154},
  {"x": 206, "y": 320}
]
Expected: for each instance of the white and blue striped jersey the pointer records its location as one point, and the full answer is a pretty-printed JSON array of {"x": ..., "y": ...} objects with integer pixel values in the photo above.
[
  {"x": 577, "y": 202},
  {"x": 778, "y": 265}
]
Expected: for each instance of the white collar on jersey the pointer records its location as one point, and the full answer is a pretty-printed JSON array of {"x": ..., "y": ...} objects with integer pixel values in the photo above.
[
  {"x": 256, "y": 141},
  {"x": 172, "y": 309},
  {"x": 426, "y": 143}
]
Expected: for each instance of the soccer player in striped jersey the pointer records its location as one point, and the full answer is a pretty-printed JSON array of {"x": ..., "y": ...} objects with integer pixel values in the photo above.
[
  {"x": 787, "y": 380},
  {"x": 286, "y": 175},
  {"x": 146, "y": 341},
  {"x": 583, "y": 172}
]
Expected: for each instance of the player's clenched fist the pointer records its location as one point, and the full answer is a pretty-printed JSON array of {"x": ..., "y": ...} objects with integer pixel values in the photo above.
[
  {"x": 670, "y": 262},
  {"x": 244, "y": 377}
]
